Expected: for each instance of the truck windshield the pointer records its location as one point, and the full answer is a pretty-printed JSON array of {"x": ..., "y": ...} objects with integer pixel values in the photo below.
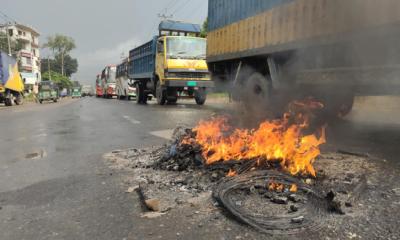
[{"x": 185, "y": 47}]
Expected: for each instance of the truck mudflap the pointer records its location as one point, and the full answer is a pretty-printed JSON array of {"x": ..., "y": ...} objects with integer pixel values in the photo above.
[{"x": 189, "y": 83}]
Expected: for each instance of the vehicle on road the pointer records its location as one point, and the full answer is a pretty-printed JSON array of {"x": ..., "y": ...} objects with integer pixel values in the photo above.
[
  {"x": 108, "y": 79},
  {"x": 99, "y": 86},
  {"x": 64, "y": 93},
  {"x": 124, "y": 86},
  {"x": 172, "y": 65},
  {"x": 76, "y": 92},
  {"x": 270, "y": 51},
  {"x": 11, "y": 84},
  {"x": 87, "y": 91},
  {"x": 48, "y": 91}
]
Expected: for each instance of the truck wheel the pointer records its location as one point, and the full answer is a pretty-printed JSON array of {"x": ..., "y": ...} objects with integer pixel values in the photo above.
[
  {"x": 160, "y": 94},
  {"x": 200, "y": 96},
  {"x": 337, "y": 105},
  {"x": 19, "y": 99},
  {"x": 140, "y": 94},
  {"x": 172, "y": 100},
  {"x": 55, "y": 100},
  {"x": 41, "y": 101},
  {"x": 8, "y": 102},
  {"x": 256, "y": 95}
]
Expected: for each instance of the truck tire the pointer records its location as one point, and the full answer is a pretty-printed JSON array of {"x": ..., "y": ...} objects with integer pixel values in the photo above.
[
  {"x": 337, "y": 105},
  {"x": 256, "y": 92},
  {"x": 141, "y": 97},
  {"x": 160, "y": 94},
  {"x": 200, "y": 96},
  {"x": 19, "y": 100},
  {"x": 8, "y": 102},
  {"x": 55, "y": 100}
]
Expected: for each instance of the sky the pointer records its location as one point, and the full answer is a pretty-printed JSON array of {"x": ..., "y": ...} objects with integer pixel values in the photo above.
[{"x": 103, "y": 30}]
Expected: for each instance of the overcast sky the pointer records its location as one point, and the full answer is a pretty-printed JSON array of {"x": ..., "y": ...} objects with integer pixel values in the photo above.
[{"x": 103, "y": 29}]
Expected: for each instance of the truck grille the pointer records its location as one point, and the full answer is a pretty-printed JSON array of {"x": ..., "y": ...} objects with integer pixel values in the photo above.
[{"x": 189, "y": 75}]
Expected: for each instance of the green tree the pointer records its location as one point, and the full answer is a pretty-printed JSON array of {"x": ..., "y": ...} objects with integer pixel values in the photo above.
[
  {"x": 70, "y": 65},
  {"x": 15, "y": 45},
  {"x": 204, "y": 29},
  {"x": 60, "y": 80},
  {"x": 61, "y": 46}
]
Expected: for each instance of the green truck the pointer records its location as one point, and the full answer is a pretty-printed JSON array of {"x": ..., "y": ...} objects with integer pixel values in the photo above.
[
  {"x": 76, "y": 92},
  {"x": 48, "y": 91}
]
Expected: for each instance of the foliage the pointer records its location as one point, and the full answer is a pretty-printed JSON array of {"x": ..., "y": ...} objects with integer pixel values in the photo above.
[
  {"x": 204, "y": 29},
  {"x": 70, "y": 65},
  {"x": 61, "y": 46},
  {"x": 60, "y": 80},
  {"x": 15, "y": 45}
]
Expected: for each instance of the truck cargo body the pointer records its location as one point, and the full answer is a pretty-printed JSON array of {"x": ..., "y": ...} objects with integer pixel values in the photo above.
[
  {"x": 11, "y": 85},
  {"x": 171, "y": 67},
  {"x": 346, "y": 43}
]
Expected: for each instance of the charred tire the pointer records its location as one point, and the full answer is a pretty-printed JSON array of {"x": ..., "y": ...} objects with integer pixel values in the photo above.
[
  {"x": 160, "y": 94},
  {"x": 200, "y": 96}
]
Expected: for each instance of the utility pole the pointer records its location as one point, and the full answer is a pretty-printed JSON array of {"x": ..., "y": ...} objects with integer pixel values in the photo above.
[
  {"x": 164, "y": 15},
  {"x": 48, "y": 65},
  {"x": 8, "y": 39}
]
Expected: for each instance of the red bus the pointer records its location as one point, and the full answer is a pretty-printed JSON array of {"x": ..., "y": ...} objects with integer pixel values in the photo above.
[{"x": 99, "y": 86}]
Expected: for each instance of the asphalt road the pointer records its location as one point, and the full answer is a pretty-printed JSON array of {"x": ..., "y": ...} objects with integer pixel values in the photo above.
[{"x": 54, "y": 184}]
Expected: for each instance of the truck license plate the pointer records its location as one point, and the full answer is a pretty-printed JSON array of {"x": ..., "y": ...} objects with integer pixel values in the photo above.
[{"x": 192, "y": 84}]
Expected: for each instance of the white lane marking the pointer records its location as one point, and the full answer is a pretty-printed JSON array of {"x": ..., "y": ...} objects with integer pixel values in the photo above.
[
  {"x": 132, "y": 120},
  {"x": 166, "y": 134}
]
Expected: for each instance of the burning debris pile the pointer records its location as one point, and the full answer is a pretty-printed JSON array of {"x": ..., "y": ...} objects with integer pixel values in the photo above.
[{"x": 272, "y": 178}]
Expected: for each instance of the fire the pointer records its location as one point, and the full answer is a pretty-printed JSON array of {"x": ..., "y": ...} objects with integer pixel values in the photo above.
[
  {"x": 283, "y": 140},
  {"x": 293, "y": 188},
  {"x": 231, "y": 173},
  {"x": 276, "y": 187}
]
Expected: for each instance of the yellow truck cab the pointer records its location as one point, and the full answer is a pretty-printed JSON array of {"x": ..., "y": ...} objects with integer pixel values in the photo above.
[{"x": 172, "y": 65}]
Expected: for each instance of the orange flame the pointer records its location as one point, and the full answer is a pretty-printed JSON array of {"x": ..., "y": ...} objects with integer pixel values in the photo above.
[
  {"x": 293, "y": 188},
  {"x": 280, "y": 140},
  {"x": 276, "y": 187},
  {"x": 231, "y": 173}
]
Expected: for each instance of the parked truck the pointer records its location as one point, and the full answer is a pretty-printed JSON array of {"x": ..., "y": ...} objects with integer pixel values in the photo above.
[
  {"x": 268, "y": 51},
  {"x": 11, "y": 84},
  {"x": 125, "y": 87},
  {"x": 108, "y": 79},
  {"x": 171, "y": 65}
]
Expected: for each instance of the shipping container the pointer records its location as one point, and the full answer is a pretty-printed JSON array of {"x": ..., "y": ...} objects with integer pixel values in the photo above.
[{"x": 305, "y": 47}]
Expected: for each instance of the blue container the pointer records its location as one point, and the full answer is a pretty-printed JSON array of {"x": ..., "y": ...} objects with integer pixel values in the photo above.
[
  {"x": 5, "y": 63},
  {"x": 142, "y": 60},
  {"x": 225, "y": 12}
]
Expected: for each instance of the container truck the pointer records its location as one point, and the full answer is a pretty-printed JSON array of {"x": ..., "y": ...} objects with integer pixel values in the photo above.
[
  {"x": 171, "y": 65},
  {"x": 268, "y": 51},
  {"x": 11, "y": 84},
  {"x": 108, "y": 80},
  {"x": 125, "y": 87}
]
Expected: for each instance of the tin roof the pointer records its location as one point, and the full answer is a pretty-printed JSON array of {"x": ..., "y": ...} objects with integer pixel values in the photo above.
[{"x": 169, "y": 25}]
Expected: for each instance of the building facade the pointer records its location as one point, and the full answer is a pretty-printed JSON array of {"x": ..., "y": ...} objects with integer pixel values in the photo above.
[{"x": 29, "y": 55}]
